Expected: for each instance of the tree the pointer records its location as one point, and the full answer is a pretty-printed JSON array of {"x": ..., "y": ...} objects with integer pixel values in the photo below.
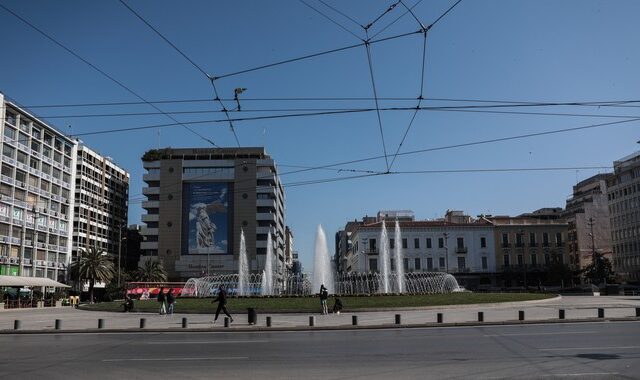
[
  {"x": 152, "y": 271},
  {"x": 94, "y": 266},
  {"x": 599, "y": 271}
]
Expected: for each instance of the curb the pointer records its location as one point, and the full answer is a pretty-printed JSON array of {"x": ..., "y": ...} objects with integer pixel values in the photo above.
[{"x": 317, "y": 328}]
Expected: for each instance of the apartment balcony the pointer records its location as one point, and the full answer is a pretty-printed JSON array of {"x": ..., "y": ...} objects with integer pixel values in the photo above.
[
  {"x": 266, "y": 190},
  {"x": 150, "y": 190},
  {"x": 266, "y": 203},
  {"x": 148, "y": 231},
  {"x": 266, "y": 230},
  {"x": 149, "y": 245},
  {"x": 461, "y": 249},
  {"x": 266, "y": 216},
  {"x": 150, "y": 218},
  {"x": 150, "y": 204},
  {"x": 148, "y": 177}
]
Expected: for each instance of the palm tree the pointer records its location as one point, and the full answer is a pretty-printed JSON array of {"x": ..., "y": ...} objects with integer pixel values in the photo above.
[
  {"x": 94, "y": 266},
  {"x": 152, "y": 271}
]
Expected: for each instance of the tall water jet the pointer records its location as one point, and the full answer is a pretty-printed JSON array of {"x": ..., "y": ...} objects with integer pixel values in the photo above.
[
  {"x": 267, "y": 280},
  {"x": 399, "y": 259},
  {"x": 322, "y": 272},
  {"x": 243, "y": 267},
  {"x": 384, "y": 258}
]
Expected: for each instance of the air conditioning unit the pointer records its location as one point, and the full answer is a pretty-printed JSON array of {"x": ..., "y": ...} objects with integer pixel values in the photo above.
[
  {"x": 52, "y": 264},
  {"x": 3, "y": 260},
  {"x": 14, "y": 260}
]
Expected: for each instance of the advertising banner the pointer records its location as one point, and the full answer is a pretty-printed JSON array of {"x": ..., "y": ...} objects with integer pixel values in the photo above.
[{"x": 205, "y": 218}]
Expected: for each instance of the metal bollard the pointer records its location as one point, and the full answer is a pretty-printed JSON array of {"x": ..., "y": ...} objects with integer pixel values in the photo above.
[
  {"x": 561, "y": 314},
  {"x": 354, "y": 320},
  {"x": 312, "y": 321},
  {"x": 268, "y": 321},
  {"x": 398, "y": 319},
  {"x": 480, "y": 316},
  {"x": 58, "y": 324},
  {"x": 521, "y": 315},
  {"x": 100, "y": 323},
  {"x": 17, "y": 325},
  {"x": 226, "y": 321},
  {"x": 439, "y": 316},
  {"x": 600, "y": 312},
  {"x": 185, "y": 322},
  {"x": 143, "y": 322}
]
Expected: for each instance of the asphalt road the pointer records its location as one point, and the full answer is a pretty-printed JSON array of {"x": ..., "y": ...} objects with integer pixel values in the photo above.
[{"x": 581, "y": 350}]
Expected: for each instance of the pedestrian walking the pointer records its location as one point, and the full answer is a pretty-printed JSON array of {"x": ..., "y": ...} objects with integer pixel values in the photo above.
[
  {"x": 221, "y": 299},
  {"x": 163, "y": 302},
  {"x": 324, "y": 294},
  {"x": 171, "y": 300},
  {"x": 337, "y": 306}
]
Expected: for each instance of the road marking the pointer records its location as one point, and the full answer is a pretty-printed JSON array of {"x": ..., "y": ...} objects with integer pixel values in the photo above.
[
  {"x": 548, "y": 333},
  {"x": 588, "y": 348},
  {"x": 207, "y": 342},
  {"x": 565, "y": 375},
  {"x": 176, "y": 359}
]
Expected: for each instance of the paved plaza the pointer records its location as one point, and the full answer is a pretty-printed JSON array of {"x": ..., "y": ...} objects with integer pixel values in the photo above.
[{"x": 576, "y": 308}]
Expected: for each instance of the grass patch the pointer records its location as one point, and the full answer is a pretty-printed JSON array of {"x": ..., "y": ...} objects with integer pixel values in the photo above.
[{"x": 312, "y": 304}]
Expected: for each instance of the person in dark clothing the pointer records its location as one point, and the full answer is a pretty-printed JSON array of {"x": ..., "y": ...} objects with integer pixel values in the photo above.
[
  {"x": 337, "y": 306},
  {"x": 171, "y": 300},
  {"x": 128, "y": 303},
  {"x": 162, "y": 300},
  {"x": 221, "y": 299},
  {"x": 324, "y": 294}
]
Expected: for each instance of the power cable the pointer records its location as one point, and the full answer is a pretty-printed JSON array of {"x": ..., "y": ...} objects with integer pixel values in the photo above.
[
  {"x": 389, "y": 9},
  {"x": 332, "y": 20},
  {"x": 341, "y": 13},
  {"x": 122, "y": 85},
  {"x": 375, "y": 97},
  {"x": 165, "y": 39},
  {"x": 395, "y": 20}
]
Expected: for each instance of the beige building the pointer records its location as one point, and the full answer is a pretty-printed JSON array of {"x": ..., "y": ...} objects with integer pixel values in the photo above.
[
  {"x": 200, "y": 200},
  {"x": 527, "y": 248}
]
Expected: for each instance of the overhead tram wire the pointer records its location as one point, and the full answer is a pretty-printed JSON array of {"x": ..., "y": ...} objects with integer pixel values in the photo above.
[
  {"x": 96, "y": 68},
  {"x": 396, "y": 19},
  {"x": 341, "y": 13},
  {"x": 375, "y": 95},
  {"x": 200, "y": 69},
  {"x": 422, "y": 72},
  {"x": 332, "y": 20}
]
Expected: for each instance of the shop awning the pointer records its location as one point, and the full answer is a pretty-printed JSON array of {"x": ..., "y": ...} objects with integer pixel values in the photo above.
[{"x": 30, "y": 281}]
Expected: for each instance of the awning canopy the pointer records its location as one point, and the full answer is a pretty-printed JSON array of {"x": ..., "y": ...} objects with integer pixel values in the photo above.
[{"x": 30, "y": 281}]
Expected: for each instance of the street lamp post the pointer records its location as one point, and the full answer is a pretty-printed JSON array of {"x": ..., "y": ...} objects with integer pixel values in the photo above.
[
  {"x": 120, "y": 227},
  {"x": 524, "y": 259}
]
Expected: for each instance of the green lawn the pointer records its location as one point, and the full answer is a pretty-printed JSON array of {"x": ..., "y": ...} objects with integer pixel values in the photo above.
[{"x": 312, "y": 304}]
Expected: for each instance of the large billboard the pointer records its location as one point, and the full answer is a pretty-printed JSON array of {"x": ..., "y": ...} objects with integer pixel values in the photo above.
[{"x": 205, "y": 218}]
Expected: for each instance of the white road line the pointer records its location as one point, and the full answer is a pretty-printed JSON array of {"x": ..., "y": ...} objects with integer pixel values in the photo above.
[
  {"x": 176, "y": 359},
  {"x": 548, "y": 333},
  {"x": 170, "y": 343},
  {"x": 588, "y": 348}
]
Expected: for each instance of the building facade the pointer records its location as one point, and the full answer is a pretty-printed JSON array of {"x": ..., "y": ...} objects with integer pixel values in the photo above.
[
  {"x": 101, "y": 203},
  {"x": 199, "y": 201},
  {"x": 587, "y": 217},
  {"x": 623, "y": 195},
  {"x": 36, "y": 195},
  {"x": 463, "y": 249},
  {"x": 528, "y": 249}
]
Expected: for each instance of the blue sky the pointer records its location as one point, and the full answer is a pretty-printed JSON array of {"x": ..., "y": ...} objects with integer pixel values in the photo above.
[{"x": 529, "y": 51}]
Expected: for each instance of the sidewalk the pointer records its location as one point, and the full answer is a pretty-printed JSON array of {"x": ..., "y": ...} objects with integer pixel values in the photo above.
[{"x": 577, "y": 308}]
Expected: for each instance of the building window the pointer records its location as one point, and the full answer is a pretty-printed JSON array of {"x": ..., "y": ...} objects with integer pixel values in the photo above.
[
  {"x": 372, "y": 245},
  {"x": 7, "y": 151},
  {"x": 416, "y": 243},
  {"x": 506, "y": 260},
  {"x": 460, "y": 242},
  {"x": 505, "y": 240},
  {"x": 440, "y": 242},
  {"x": 404, "y": 243},
  {"x": 405, "y": 264},
  {"x": 532, "y": 239},
  {"x": 392, "y": 243},
  {"x": 547, "y": 259},
  {"x": 483, "y": 242},
  {"x": 417, "y": 263},
  {"x": 441, "y": 262},
  {"x": 545, "y": 239},
  {"x": 462, "y": 264},
  {"x": 534, "y": 259},
  {"x": 429, "y": 264},
  {"x": 428, "y": 243},
  {"x": 520, "y": 260},
  {"x": 558, "y": 238},
  {"x": 373, "y": 265},
  {"x": 484, "y": 263}
]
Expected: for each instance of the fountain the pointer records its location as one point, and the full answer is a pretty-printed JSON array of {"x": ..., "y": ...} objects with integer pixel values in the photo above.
[
  {"x": 322, "y": 271},
  {"x": 243, "y": 267},
  {"x": 244, "y": 283},
  {"x": 399, "y": 259},
  {"x": 384, "y": 258},
  {"x": 267, "y": 278}
]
